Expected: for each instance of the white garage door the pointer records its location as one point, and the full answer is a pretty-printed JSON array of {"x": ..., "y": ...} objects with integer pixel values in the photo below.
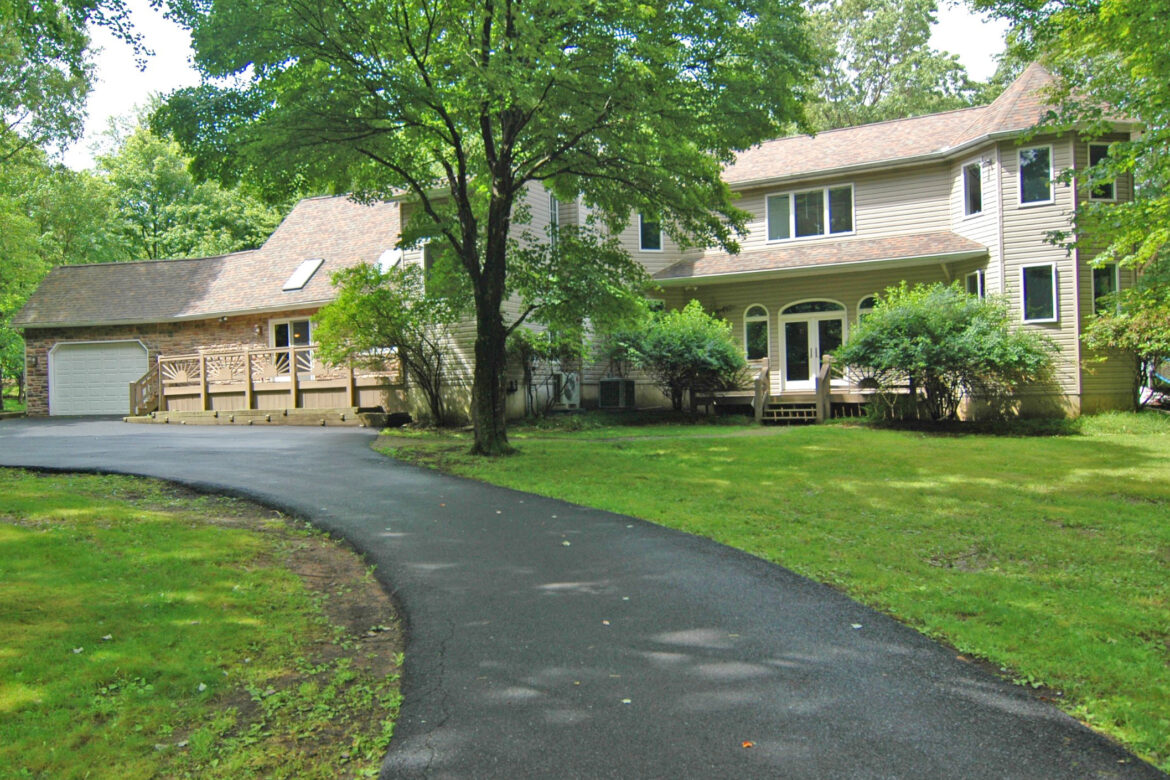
[{"x": 94, "y": 378}]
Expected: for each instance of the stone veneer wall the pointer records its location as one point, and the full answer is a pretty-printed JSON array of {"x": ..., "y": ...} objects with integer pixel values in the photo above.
[{"x": 172, "y": 338}]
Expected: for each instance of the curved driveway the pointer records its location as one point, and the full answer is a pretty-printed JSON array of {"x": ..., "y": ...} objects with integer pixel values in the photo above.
[{"x": 549, "y": 640}]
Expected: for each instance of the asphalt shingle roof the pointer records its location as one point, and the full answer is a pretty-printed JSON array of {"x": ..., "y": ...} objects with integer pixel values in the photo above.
[
  {"x": 1018, "y": 107},
  {"x": 825, "y": 253},
  {"x": 340, "y": 231}
]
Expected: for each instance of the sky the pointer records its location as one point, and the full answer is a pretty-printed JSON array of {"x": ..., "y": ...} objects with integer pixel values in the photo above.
[{"x": 121, "y": 87}]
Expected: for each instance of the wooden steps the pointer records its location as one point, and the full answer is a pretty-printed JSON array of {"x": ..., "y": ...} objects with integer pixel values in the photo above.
[
  {"x": 795, "y": 411},
  {"x": 348, "y": 416}
]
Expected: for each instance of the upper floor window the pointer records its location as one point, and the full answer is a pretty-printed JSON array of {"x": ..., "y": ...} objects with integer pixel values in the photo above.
[
  {"x": 1098, "y": 153},
  {"x": 1038, "y": 283},
  {"x": 1106, "y": 280},
  {"x": 1036, "y": 175},
  {"x": 649, "y": 235},
  {"x": 810, "y": 213},
  {"x": 755, "y": 332},
  {"x": 972, "y": 189}
]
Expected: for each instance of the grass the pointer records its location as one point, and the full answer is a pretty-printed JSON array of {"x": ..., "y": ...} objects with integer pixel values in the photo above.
[
  {"x": 1045, "y": 555},
  {"x": 149, "y": 632},
  {"x": 12, "y": 403}
]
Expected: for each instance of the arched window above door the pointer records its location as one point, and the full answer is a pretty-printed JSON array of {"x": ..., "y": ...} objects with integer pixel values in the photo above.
[{"x": 812, "y": 307}]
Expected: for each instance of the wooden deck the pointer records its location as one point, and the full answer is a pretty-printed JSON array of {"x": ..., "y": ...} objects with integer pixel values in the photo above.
[
  {"x": 829, "y": 398},
  {"x": 267, "y": 380}
]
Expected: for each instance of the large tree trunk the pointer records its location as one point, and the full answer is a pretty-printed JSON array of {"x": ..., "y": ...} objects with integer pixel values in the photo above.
[{"x": 487, "y": 389}]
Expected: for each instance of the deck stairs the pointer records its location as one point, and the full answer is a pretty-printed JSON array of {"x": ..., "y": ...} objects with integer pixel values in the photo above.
[{"x": 795, "y": 410}]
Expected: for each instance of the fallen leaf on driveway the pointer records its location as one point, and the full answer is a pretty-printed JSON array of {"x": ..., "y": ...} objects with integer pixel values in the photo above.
[{"x": 748, "y": 744}]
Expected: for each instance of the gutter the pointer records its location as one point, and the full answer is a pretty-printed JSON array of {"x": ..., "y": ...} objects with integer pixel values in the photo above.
[{"x": 181, "y": 318}]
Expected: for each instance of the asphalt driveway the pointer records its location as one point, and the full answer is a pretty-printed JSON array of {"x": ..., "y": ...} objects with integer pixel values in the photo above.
[{"x": 549, "y": 640}]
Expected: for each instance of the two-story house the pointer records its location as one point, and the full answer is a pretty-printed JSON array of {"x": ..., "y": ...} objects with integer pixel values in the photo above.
[{"x": 964, "y": 196}]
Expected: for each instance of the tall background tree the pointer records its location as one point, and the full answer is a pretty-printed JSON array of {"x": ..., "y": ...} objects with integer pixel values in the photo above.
[
  {"x": 45, "y": 68},
  {"x": 880, "y": 65},
  {"x": 631, "y": 106}
]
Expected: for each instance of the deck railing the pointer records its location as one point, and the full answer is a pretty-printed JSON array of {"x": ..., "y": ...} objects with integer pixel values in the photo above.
[
  {"x": 763, "y": 388},
  {"x": 824, "y": 384},
  {"x": 258, "y": 378},
  {"x": 145, "y": 393}
]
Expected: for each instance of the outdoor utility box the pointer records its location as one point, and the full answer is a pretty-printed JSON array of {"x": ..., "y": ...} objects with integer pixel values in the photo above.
[{"x": 616, "y": 393}]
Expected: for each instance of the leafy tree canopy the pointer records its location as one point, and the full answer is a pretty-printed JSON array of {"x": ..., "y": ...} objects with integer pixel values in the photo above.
[
  {"x": 45, "y": 68},
  {"x": 163, "y": 212},
  {"x": 1111, "y": 58},
  {"x": 880, "y": 64},
  {"x": 631, "y": 106}
]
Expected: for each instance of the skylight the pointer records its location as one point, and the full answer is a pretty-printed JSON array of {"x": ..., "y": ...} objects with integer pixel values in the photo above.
[{"x": 303, "y": 274}]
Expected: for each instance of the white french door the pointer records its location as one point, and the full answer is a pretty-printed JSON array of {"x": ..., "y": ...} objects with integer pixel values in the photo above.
[{"x": 806, "y": 339}]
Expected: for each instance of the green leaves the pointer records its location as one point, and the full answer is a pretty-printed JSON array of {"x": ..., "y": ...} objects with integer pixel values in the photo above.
[
  {"x": 1110, "y": 58},
  {"x": 946, "y": 343},
  {"x": 685, "y": 350},
  {"x": 880, "y": 64}
]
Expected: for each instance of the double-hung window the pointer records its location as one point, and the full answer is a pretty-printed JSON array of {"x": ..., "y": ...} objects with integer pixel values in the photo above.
[
  {"x": 809, "y": 213},
  {"x": 1036, "y": 175},
  {"x": 975, "y": 281},
  {"x": 972, "y": 189},
  {"x": 649, "y": 235},
  {"x": 1039, "y": 291},
  {"x": 1106, "y": 280},
  {"x": 1098, "y": 154}
]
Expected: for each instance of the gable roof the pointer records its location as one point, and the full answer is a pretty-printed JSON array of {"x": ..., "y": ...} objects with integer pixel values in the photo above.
[
  {"x": 1018, "y": 108},
  {"x": 340, "y": 231}
]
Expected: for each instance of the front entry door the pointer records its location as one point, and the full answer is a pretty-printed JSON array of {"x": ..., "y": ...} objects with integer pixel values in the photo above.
[{"x": 805, "y": 340}]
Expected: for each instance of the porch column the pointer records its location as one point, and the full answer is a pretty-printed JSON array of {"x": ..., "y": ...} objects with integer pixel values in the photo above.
[
  {"x": 292, "y": 375},
  {"x": 203, "y": 381}
]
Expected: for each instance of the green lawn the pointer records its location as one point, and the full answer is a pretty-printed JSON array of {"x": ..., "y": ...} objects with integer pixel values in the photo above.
[
  {"x": 147, "y": 632},
  {"x": 1046, "y": 555}
]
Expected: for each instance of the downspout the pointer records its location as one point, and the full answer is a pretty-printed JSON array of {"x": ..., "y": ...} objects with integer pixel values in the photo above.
[
  {"x": 1076, "y": 258},
  {"x": 999, "y": 217}
]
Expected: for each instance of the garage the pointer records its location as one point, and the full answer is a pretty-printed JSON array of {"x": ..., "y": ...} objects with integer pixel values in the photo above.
[{"x": 94, "y": 377}]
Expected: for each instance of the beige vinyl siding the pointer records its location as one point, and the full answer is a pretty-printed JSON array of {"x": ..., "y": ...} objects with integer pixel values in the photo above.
[
  {"x": 984, "y": 226},
  {"x": 730, "y": 301},
  {"x": 1024, "y": 243},
  {"x": 906, "y": 201},
  {"x": 653, "y": 262},
  {"x": 1106, "y": 377}
]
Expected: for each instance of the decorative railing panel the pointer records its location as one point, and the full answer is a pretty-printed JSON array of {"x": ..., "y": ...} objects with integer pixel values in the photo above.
[{"x": 260, "y": 372}]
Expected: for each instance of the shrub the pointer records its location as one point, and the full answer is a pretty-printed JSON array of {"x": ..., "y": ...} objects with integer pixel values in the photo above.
[
  {"x": 1139, "y": 325},
  {"x": 397, "y": 311},
  {"x": 686, "y": 352},
  {"x": 945, "y": 343}
]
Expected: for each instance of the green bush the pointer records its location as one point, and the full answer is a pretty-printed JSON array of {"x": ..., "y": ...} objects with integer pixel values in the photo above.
[
  {"x": 944, "y": 343},
  {"x": 686, "y": 352},
  {"x": 1139, "y": 325}
]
